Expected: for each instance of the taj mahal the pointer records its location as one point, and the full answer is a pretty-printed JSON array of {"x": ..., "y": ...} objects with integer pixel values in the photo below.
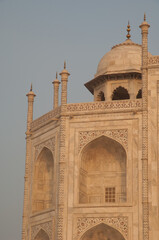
[{"x": 92, "y": 169}]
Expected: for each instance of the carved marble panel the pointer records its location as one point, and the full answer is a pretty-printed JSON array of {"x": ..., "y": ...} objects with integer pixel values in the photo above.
[
  {"x": 112, "y": 106},
  {"x": 85, "y": 223},
  {"x": 50, "y": 144},
  {"x": 41, "y": 121},
  {"x": 47, "y": 227},
  {"x": 120, "y": 135}
]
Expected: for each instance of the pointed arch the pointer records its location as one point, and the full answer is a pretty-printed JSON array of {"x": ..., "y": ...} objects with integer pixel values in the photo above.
[
  {"x": 139, "y": 94},
  {"x": 41, "y": 235},
  {"x": 43, "y": 178},
  {"x": 102, "y": 232},
  {"x": 120, "y": 93},
  {"x": 102, "y": 177},
  {"x": 112, "y": 134},
  {"x": 100, "y": 96}
]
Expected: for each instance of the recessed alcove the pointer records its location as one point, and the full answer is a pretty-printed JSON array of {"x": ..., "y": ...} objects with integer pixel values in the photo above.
[
  {"x": 43, "y": 178},
  {"x": 101, "y": 96},
  {"x": 42, "y": 235},
  {"x": 120, "y": 93},
  {"x": 102, "y": 177},
  {"x": 139, "y": 94}
]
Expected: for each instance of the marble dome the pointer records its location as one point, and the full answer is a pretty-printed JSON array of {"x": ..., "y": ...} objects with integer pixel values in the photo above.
[{"x": 122, "y": 58}]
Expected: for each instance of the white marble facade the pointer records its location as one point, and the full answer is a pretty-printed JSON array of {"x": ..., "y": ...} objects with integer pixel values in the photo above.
[{"x": 92, "y": 169}]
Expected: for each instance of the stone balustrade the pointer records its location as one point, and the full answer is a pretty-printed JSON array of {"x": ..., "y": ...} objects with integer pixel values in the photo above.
[
  {"x": 88, "y": 108},
  {"x": 153, "y": 60}
]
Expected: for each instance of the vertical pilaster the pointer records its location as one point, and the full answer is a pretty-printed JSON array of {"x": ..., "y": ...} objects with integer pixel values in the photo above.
[
  {"x": 62, "y": 172},
  {"x": 62, "y": 180},
  {"x": 30, "y": 96},
  {"x": 145, "y": 202},
  {"x": 56, "y": 84},
  {"x": 64, "y": 79}
]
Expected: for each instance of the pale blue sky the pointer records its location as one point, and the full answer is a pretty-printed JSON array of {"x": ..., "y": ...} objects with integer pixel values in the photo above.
[{"x": 36, "y": 37}]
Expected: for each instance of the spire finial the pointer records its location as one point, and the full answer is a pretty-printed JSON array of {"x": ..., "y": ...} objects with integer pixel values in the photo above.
[
  {"x": 64, "y": 64},
  {"x": 144, "y": 17},
  {"x": 31, "y": 87},
  {"x": 56, "y": 75},
  {"x": 128, "y": 30}
]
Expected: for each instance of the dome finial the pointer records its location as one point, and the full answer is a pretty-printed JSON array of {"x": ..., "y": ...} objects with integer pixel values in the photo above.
[
  {"x": 64, "y": 64},
  {"x": 31, "y": 87},
  {"x": 144, "y": 17},
  {"x": 128, "y": 30}
]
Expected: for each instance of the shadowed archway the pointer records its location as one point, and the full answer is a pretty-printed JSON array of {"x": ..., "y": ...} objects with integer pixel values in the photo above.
[
  {"x": 102, "y": 232},
  {"x": 139, "y": 94},
  {"x": 42, "y": 235},
  {"x": 102, "y": 177},
  {"x": 100, "y": 96},
  {"x": 43, "y": 179},
  {"x": 120, "y": 93}
]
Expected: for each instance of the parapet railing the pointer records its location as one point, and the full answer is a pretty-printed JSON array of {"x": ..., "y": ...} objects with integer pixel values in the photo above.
[
  {"x": 112, "y": 106},
  {"x": 88, "y": 108},
  {"x": 154, "y": 60},
  {"x": 46, "y": 118}
]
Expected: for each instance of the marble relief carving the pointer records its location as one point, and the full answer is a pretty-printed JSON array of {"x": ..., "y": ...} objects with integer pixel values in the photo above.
[
  {"x": 153, "y": 60},
  {"x": 120, "y": 135},
  {"x": 50, "y": 144},
  {"x": 85, "y": 223},
  {"x": 111, "y": 106},
  {"x": 45, "y": 118},
  {"x": 47, "y": 227}
]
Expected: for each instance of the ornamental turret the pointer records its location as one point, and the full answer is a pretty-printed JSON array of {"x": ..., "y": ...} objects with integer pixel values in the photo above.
[
  {"x": 30, "y": 96},
  {"x": 64, "y": 79},
  {"x": 56, "y": 84}
]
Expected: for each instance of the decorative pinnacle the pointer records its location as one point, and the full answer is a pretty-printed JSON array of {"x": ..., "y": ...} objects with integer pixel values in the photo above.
[
  {"x": 144, "y": 23},
  {"x": 64, "y": 64},
  {"x": 56, "y": 75},
  {"x": 144, "y": 17},
  {"x": 128, "y": 30},
  {"x": 31, "y": 93}
]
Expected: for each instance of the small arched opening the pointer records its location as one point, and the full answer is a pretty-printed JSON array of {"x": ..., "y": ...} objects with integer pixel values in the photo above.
[
  {"x": 100, "y": 96},
  {"x": 139, "y": 94},
  {"x": 120, "y": 93},
  {"x": 43, "y": 178},
  {"x": 42, "y": 235},
  {"x": 102, "y": 232},
  {"x": 102, "y": 177}
]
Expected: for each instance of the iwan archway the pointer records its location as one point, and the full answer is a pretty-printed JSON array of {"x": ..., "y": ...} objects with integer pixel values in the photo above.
[
  {"x": 102, "y": 176},
  {"x": 102, "y": 232},
  {"x": 43, "y": 182}
]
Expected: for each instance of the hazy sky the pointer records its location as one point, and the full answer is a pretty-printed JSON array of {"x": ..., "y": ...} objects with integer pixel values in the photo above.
[{"x": 36, "y": 37}]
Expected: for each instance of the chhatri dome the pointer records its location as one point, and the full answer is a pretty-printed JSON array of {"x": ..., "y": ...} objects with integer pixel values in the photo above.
[
  {"x": 118, "y": 73},
  {"x": 122, "y": 58}
]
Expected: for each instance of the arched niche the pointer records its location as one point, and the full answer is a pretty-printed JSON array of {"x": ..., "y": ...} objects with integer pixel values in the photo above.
[
  {"x": 120, "y": 93},
  {"x": 102, "y": 177},
  {"x": 42, "y": 235},
  {"x": 43, "y": 179},
  {"x": 139, "y": 94},
  {"x": 100, "y": 96},
  {"x": 102, "y": 232}
]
